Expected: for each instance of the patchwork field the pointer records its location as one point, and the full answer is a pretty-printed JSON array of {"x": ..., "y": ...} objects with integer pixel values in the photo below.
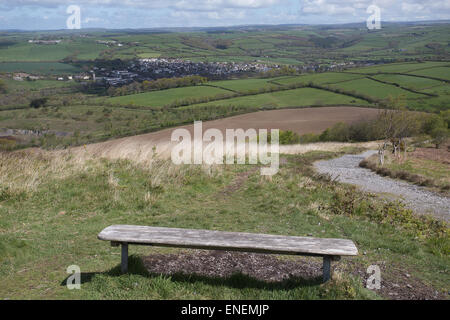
[
  {"x": 22, "y": 51},
  {"x": 416, "y": 83},
  {"x": 401, "y": 67},
  {"x": 165, "y": 97},
  {"x": 439, "y": 73},
  {"x": 38, "y": 67},
  {"x": 244, "y": 85},
  {"x": 289, "y": 98},
  {"x": 376, "y": 89},
  {"x": 87, "y": 118},
  {"x": 320, "y": 78}
]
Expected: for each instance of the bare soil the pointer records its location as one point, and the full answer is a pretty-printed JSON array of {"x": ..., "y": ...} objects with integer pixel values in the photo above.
[
  {"x": 396, "y": 283},
  {"x": 440, "y": 155},
  {"x": 301, "y": 121}
]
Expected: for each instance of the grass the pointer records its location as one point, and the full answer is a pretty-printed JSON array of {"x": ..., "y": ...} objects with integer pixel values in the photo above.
[
  {"x": 99, "y": 118},
  {"x": 45, "y": 68},
  {"x": 426, "y": 172},
  {"x": 400, "y": 67},
  {"x": 415, "y": 83},
  {"x": 22, "y": 51},
  {"x": 289, "y": 98},
  {"x": 165, "y": 97},
  {"x": 243, "y": 85},
  {"x": 53, "y": 205},
  {"x": 439, "y": 73},
  {"x": 319, "y": 78},
  {"x": 376, "y": 89},
  {"x": 35, "y": 85},
  {"x": 291, "y": 45}
]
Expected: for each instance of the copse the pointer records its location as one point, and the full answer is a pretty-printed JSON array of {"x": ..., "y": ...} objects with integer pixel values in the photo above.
[
  {"x": 38, "y": 103},
  {"x": 3, "y": 87}
]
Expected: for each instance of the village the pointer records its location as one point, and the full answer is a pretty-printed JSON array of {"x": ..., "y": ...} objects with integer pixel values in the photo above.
[{"x": 157, "y": 68}]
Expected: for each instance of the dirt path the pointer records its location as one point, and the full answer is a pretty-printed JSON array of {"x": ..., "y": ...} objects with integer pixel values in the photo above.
[{"x": 346, "y": 169}]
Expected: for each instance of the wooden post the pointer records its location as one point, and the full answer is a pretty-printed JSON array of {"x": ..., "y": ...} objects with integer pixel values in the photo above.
[
  {"x": 124, "y": 264},
  {"x": 326, "y": 268}
]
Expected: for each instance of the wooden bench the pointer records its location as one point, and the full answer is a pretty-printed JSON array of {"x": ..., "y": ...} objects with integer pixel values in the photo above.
[{"x": 329, "y": 249}]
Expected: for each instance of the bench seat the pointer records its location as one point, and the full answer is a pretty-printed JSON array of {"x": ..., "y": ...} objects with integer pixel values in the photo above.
[{"x": 329, "y": 249}]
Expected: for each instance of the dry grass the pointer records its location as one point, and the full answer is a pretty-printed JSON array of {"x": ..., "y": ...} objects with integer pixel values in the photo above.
[
  {"x": 421, "y": 172},
  {"x": 23, "y": 172},
  {"x": 325, "y": 146}
]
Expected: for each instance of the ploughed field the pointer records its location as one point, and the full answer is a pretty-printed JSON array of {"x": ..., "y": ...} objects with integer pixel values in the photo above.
[{"x": 301, "y": 121}]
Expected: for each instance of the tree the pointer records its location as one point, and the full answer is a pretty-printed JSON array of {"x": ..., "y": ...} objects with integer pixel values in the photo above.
[
  {"x": 440, "y": 135},
  {"x": 395, "y": 125},
  {"x": 38, "y": 103},
  {"x": 3, "y": 87},
  {"x": 434, "y": 121}
]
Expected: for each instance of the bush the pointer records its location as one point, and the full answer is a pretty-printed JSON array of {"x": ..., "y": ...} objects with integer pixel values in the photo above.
[
  {"x": 432, "y": 122},
  {"x": 289, "y": 137},
  {"x": 309, "y": 138},
  {"x": 440, "y": 135},
  {"x": 38, "y": 103},
  {"x": 339, "y": 132},
  {"x": 350, "y": 203}
]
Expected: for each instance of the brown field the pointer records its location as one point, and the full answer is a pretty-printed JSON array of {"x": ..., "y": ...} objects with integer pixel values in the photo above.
[
  {"x": 301, "y": 121},
  {"x": 440, "y": 155}
]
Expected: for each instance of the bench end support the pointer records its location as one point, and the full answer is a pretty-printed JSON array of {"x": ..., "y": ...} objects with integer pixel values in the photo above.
[
  {"x": 124, "y": 262},
  {"x": 326, "y": 268}
]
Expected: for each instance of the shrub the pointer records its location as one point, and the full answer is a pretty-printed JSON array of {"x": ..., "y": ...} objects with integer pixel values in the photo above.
[
  {"x": 440, "y": 135},
  {"x": 289, "y": 137},
  {"x": 38, "y": 103},
  {"x": 309, "y": 138}
]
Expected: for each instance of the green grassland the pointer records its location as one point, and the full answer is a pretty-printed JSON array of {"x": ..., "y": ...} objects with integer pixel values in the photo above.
[
  {"x": 51, "y": 222},
  {"x": 44, "y": 68},
  {"x": 244, "y": 85},
  {"x": 416, "y": 83},
  {"x": 95, "y": 118},
  {"x": 376, "y": 89},
  {"x": 35, "y": 85},
  {"x": 165, "y": 97},
  {"x": 292, "y": 45},
  {"x": 400, "y": 67},
  {"x": 87, "y": 119},
  {"x": 290, "y": 98},
  {"x": 440, "y": 73},
  {"x": 319, "y": 78},
  {"x": 30, "y": 52}
]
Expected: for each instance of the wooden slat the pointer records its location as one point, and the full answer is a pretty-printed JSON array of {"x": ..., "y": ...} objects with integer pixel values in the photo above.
[{"x": 231, "y": 241}]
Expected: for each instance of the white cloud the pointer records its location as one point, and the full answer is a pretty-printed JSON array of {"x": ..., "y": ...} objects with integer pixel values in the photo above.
[
  {"x": 406, "y": 9},
  {"x": 149, "y": 13}
]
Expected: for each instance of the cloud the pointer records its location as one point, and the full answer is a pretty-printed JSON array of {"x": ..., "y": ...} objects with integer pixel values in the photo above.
[
  {"x": 408, "y": 9},
  {"x": 160, "y": 13},
  {"x": 184, "y": 4}
]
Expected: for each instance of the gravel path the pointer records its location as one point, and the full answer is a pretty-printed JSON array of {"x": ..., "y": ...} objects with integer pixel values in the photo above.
[{"x": 346, "y": 169}]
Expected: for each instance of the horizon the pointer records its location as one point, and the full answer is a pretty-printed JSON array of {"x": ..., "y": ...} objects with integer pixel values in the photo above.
[
  {"x": 51, "y": 15},
  {"x": 238, "y": 26}
]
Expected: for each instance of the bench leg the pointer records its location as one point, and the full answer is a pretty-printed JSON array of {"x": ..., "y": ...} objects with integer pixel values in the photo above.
[
  {"x": 326, "y": 268},
  {"x": 124, "y": 264}
]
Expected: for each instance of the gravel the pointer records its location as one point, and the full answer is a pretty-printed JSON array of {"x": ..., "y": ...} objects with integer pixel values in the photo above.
[{"x": 346, "y": 169}]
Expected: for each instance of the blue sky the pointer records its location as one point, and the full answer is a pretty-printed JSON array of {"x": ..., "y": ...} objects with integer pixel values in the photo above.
[{"x": 51, "y": 14}]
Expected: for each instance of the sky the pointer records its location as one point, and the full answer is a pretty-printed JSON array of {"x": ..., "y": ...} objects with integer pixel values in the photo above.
[{"x": 118, "y": 14}]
